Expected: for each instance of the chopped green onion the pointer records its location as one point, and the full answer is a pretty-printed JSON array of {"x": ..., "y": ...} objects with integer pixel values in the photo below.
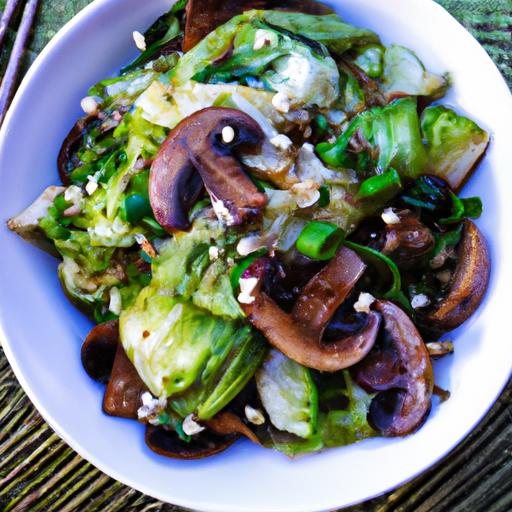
[
  {"x": 243, "y": 265},
  {"x": 395, "y": 292},
  {"x": 325, "y": 196},
  {"x": 383, "y": 186},
  {"x": 320, "y": 240},
  {"x": 445, "y": 240},
  {"x": 61, "y": 204},
  {"x": 101, "y": 317},
  {"x": 463, "y": 209},
  {"x": 53, "y": 230},
  {"x": 224, "y": 100},
  {"x": 135, "y": 207},
  {"x": 154, "y": 226}
]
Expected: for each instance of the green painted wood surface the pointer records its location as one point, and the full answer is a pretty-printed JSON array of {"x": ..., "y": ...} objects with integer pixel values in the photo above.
[{"x": 39, "y": 472}]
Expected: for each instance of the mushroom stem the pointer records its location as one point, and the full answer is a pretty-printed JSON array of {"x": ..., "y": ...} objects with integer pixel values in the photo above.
[{"x": 226, "y": 423}]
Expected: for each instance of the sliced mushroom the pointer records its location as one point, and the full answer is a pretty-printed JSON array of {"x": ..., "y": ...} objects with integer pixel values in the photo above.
[
  {"x": 204, "y": 16},
  {"x": 99, "y": 350},
  {"x": 299, "y": 334},
  {"x": 105, "y": 360},
  {"x": 67, "y": 154},
  {"x": 196, "y": 144},
  {"x": 407, "y": 242},
  {"x": 399, "y": 369},
  {"x": 166, "y": 442},
  {"x": 125, "y": 388},
  {"x": 468, "y": 284}
]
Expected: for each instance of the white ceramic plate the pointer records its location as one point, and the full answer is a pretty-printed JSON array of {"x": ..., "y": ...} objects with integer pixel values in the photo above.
[{"x": 42, "y": 332}]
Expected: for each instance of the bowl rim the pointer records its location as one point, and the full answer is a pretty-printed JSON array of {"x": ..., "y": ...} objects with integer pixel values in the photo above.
[{"x": 5, "y": 343}]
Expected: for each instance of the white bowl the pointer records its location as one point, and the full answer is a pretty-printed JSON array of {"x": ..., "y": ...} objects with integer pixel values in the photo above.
[{"x": 42, "y": 332}]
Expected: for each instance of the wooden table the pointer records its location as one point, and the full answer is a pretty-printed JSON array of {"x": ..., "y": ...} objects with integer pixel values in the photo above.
[{"x": 39, "y": 472}]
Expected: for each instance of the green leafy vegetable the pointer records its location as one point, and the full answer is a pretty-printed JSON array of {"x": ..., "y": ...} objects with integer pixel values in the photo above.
[
  {"x": 382, "y": 187},
  {"x": 243, "y": 265},
  {"x": 444, "y": 241},
  {"x": 386, "y": 137},
  {"x": 463, "y": 209},
  {"x": 183, "y": 332},
  {"x": 328, "y": 30},
  {"x": 246, "y": 359},
  {"x": 299, "y": 69},
  {"x": 180, "y": 341},
  {"x": 288, "y": 394},
  {"x": 184, "y": 268},
  {"x": 432, "y": 195},
  {"x": 161, "y": 33},
  {"x": 405, "y": 74},
  {"x": 321, "y": 125},
  {"x": 342, "y": 417},
  {"x": 347, "y": 425},
  {"x": 454, "y": 143}
]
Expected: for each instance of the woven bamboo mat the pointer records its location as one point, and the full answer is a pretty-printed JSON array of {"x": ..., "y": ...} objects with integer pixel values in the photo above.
[{"x": 39, "y": 472}]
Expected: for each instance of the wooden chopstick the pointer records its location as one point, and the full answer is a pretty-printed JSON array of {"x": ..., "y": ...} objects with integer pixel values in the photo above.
[
  {"x": 10, "y": 9},
  {"x": 9, "y": 79}
]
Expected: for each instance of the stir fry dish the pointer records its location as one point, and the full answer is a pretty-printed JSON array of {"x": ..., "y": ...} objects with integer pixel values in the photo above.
[{"x": 261, "y": 214}]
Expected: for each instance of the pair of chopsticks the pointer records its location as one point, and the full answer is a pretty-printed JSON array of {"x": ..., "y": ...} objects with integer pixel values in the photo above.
[{"x": 9, "y": 81}]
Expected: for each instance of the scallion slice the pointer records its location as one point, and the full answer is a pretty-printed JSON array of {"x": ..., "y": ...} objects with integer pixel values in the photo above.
[{"x": 320, "y": 240}]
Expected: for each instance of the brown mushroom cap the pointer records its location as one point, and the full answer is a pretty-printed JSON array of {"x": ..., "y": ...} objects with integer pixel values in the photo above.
[
  {"x": 105, "y": 360},
  {"x": 125, "y": 388},
  {"x": 299, "y": 335},
  {"x": 399, "y": 369},
  {"x": 71, "y": 143},
  {"x": 468, "y": 284},
  {"x": 99, "y": 350},
  {"x": 204, "y": 16},
  {"x": 166, "y": 442},
  {"x": 196, "y": 144}
]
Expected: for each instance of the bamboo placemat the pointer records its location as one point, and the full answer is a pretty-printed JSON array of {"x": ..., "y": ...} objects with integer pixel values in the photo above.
[{"x": 39, "y": 472}]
